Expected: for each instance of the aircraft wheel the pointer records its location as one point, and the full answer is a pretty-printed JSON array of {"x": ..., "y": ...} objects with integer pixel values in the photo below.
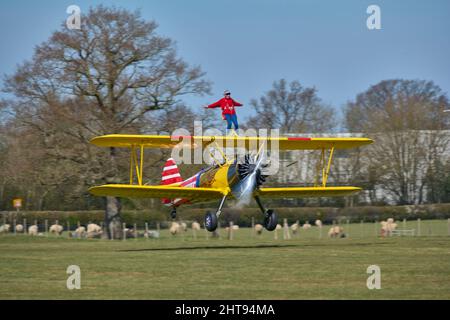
[
  {"x": 173, "y": 213},
  {"x": 210, "y": 221},
  {"x": 271, "y": 220}
]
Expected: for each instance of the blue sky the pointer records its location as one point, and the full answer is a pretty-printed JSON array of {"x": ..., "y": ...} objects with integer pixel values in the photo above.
[{"x": 245, "y": 45}]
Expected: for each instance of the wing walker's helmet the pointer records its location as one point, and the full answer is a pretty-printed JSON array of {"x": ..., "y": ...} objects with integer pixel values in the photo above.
[{"x": 226, "y": 92}]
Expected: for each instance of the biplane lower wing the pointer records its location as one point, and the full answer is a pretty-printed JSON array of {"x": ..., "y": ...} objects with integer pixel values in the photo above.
[
  {"x": 136, "y": 191},
  {"x": 304, "y": 192}
]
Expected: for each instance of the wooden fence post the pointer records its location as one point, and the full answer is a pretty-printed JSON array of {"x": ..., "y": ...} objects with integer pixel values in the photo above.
[
  {"x": 124, "y": 232},
  {"x": 25, "y": 230},
  {"x": 14, "y": 223},
  {"x": 135, "y": 232},
  {"x": 286, "y": 234},
  {"x": 418, "y": 227},
  {"x": 230, "y": 231},
  {"x": 46, "y": 227},
  {"x": 348, "y": 228},
  {"x": 253, "y": 227}
]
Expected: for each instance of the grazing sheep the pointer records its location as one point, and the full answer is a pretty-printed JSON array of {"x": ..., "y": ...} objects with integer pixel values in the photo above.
[
  {"x": 4, "y": 228},
  {"x": 258, "y": 228},
  {"x": 336, "y": 232},
  {"x": 318, "y": 223},
  {"x": 387, "y": 227},
  {"x": 234, "y": 227},
  {"x": 79, "y": 232},
  {"x": 195, "y": 226},
  {"x": 33, "y": 230},
  {"x": 56, "y": 228},
  {"x": 19, "y": 228},
  {"x": 183, "y": 226},
  {"x": 92, "y": 227},
  {"x": 295, "y": 227},
  {"x": 151, "y": 234},
  {"x": 306, "y": 226},
  {"x": 175, "y": 228},
  {"x": 94, "y": 231},
  {"x": 279, "y": 227}
]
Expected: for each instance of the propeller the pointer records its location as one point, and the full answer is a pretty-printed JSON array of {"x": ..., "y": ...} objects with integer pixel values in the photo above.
[
  {"x": 249, "y": 165},
  {"x": 251, "y": 176}
]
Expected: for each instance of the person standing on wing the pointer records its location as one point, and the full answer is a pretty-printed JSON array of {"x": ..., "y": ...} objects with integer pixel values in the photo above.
[{"x": 227, "y": 105}]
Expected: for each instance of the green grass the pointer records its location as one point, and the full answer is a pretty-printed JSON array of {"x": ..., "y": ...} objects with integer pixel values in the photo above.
[{"x": 304, "y": 267}]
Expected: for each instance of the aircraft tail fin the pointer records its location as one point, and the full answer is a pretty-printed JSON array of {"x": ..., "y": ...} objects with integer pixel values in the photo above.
[{"x": 170, "y": 175}]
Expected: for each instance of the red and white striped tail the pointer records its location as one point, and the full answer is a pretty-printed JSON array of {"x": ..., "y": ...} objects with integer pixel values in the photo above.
[{"x": 170, "y": 175}]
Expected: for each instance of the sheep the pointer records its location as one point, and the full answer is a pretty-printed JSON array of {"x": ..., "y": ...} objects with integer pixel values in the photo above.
[
  {"x": 92, "y": 227},
  {"x": 195, "y": 226},
  {"x": 234, "y": 227},
  {"x": 151, "y": 234},
  {"x": 306, "y": 226},
  {"x": 387, "y": 227},
  {"x": 79, "y": 232},
  {"x": 295, "y": 228},
  {"x": 175, "y": 228},
  {"x": 183, "y": 226},
  {"x": 19, "y": 228},
  {"x": 318, "y": 223},
  {"x": 336, "y": 231},
  {"x": 258, "y": 228},
  {"x": 33, "y": 230},
  {"x": 56, "y": 228},
  {"x": 94, "y": 231},
  {"x": 4, "y": 228},
  {"x": 278, "y": 227}
]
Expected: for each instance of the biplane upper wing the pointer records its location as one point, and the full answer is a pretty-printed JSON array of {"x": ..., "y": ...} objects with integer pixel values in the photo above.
[
  {"x": 282, "y": 143},
  {"x": 300, "y": 192},
  {"x": 137, "y": 191}
]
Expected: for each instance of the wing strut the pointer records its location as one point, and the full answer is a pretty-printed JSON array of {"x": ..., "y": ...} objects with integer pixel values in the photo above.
[{"x": 324, "y": 166}]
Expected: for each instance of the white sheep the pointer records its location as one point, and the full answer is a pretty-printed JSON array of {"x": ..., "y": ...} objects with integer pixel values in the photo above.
[
  {"x": 183, "y": 226},
  {"x": 318, "y": 223},
  {"x": 92, "y": 227},
  {"x": 335, "y": 232},
  {"x": 306, "y": 226},
  {"x": 33, "y": 230},
  {"x": 19, "y": 228},
  {"x": 195, "y": 226},
  {"x": 5, "y": 228},
  {"x": 258, "y": 228},
  {"x": 79, "y": 232},
  {"x": 278, "y": 227},
  {"x": 175, "y": 228},
  {"x": 295, "y": 228},
  {"x": 56, "y": 228},
  {"x": 387, "y": 227}
]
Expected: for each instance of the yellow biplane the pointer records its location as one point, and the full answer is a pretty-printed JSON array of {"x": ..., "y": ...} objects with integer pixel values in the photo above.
[{"x": 233, "y": 178}]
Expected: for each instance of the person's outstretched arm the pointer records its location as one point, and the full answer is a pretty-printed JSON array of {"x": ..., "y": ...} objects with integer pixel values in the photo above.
[
  {"x": 237, "y": 104},
  {"x": 214, "y": 105}
]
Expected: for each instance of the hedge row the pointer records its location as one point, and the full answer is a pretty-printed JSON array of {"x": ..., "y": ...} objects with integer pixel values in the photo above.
[{"x": 243, "y": 217}]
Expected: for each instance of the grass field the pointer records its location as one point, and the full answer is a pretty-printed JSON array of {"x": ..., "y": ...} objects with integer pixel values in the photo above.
[{"x": 304, "y": 267}]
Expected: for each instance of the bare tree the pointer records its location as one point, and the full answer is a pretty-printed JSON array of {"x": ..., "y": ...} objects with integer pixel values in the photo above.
[
  {"x": 102, "y": 79},
  {"x": 405, "y": 119},
  {"x": 291, "y": 108}
]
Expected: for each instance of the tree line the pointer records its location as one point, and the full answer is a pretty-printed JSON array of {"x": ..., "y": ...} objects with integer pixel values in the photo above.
[{"x": 118, "y": 75}]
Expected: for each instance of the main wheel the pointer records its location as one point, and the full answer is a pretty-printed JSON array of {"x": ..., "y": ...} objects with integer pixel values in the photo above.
[
  {"x": 271, "y": 220},
  {"x": 173, "y": 213},
  {"x": 210, "y": 221}
]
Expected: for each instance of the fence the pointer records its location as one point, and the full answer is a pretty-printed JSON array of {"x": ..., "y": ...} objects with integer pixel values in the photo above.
[{"x": 161, "y": 229}]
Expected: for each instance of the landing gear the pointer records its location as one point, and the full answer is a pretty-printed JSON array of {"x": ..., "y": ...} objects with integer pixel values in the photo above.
[
  {"x": 270, "y": 217},
  {"x": 270, "y": 221},
  {"x": 210, "y": 221},
  {"x": 173, "y": 213},
  {"x": 212, "y": 218}
]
